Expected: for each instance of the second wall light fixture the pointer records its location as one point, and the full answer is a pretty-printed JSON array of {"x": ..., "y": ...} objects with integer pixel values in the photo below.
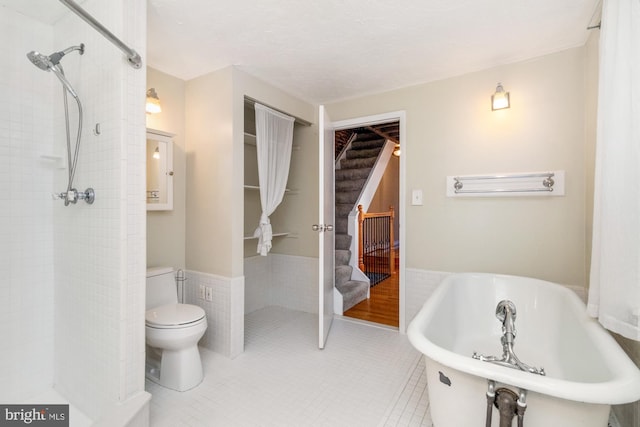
[
  {"x": 500, "y": 99},
  {"x": 153, "y": 102}
]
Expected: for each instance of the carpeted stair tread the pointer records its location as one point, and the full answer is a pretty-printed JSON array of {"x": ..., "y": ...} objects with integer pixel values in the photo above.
[
  {"x": 349, "y": 174},
  {"x": 347, "y": 196},
  {"x": 350, "y": 184},
  {"x": 358, "y": 163},
  {"x": 367, "y": 136},
  {"x": 365, "y": 152},
  {"x": 367, "y": 143},
  {"x": 353, "y": 292},
  {"x": 343, "y": 241},
  {"x": 341, "y": 225},
  {"x": 343, "y": 209},
  {"x": 343, "y": 256},
  {"x": 343, "y": 274}
]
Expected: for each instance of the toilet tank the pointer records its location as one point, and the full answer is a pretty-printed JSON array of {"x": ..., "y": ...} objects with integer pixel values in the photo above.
[{"x": 161, "y": 287}]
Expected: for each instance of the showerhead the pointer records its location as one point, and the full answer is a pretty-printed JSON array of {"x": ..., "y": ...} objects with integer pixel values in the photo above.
[
  {"x": 47, "y": 62},
  {"x": 39, "y": 60},
  {"x": 52, "y": 63}
]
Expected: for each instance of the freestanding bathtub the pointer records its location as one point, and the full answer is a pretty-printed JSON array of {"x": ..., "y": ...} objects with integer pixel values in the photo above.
[{"x": 586, "y": 370}]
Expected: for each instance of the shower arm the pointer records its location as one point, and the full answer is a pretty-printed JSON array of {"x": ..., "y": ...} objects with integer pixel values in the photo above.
[{"x": 132, "y": 56}]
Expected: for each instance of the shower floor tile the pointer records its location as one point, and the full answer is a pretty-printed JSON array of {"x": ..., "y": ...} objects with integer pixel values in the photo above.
[{"x": 365, "y": 376}]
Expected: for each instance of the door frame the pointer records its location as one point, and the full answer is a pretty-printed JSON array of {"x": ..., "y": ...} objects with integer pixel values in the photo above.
[{"x": 392, "y": 116}]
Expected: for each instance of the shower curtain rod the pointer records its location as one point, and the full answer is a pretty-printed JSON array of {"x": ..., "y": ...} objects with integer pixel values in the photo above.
[{"x": 132, "y": 56}]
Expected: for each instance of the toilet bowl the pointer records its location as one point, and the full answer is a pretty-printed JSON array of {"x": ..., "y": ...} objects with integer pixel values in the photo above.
[{"x": 172, "y": 334}]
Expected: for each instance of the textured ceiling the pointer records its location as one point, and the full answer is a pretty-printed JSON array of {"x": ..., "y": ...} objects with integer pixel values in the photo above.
[
  {"x": 328, "y": 50},
  {"x": 47, "y": 11}
]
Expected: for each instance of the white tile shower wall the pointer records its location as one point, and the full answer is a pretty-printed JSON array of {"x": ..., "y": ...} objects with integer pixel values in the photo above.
[
  {"x": 26, "y": 221},
  {"x": 100, "y": 248},
  {"x": 225, "y": 312},
  {"x": 281, "y": 280},
  {"x": 294, "y": 282}
]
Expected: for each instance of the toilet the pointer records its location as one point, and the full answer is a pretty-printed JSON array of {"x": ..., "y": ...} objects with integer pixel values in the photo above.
[{"x": 172, "y": 334}]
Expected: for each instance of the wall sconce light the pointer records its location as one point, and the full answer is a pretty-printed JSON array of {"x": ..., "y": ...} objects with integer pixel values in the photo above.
[
  {"x": 156, "y": 154},
  {"x": 500, "y": 99},
  {"x": 396, "y": 150},
  {"x": 153, "y": 102}
]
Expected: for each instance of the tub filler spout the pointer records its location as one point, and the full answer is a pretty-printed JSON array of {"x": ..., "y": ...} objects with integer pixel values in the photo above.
[{"x": 506, "y": 313}]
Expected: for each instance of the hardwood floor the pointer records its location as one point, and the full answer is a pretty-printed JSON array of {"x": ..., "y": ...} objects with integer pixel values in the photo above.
[{"x": 383, "y": 306}]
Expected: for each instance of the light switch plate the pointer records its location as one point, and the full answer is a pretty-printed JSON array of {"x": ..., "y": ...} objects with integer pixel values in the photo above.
[{"x": 416, "y": 197}]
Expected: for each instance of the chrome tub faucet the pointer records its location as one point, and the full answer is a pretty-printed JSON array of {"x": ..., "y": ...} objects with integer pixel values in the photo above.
[{"x": 506, "y": 313}]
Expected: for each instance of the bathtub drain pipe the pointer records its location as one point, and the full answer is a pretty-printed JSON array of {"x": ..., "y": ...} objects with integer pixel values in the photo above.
[
  {"x": 506, "y": 404},
  {"x": 521, "y": 407},
  {"x": 491, "y": 397}
]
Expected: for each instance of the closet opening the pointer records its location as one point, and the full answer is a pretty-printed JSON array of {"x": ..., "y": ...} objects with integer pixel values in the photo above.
[{"x": 281, "y": 288}]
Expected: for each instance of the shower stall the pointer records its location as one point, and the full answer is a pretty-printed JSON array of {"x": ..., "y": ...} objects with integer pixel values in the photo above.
[{"x": 72, "y": 298}]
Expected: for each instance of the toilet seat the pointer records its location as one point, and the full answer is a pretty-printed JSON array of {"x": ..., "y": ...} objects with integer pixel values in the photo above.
[{"x": 172, "y": 316}]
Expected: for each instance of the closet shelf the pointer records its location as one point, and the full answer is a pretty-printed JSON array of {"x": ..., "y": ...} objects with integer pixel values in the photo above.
[
  {"x": 250, "y": 139},
  {"x": 274, "y": 235},
  {"x": 257, "y": 188}
]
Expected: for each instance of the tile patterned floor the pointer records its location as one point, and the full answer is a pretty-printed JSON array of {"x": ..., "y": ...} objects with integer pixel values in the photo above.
[
  {"x": 412, "y": 406},
  {"x": 365, "y": 376}
]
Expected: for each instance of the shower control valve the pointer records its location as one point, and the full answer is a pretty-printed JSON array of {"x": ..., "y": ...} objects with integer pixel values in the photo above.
[{"x": 73, "y": 195}]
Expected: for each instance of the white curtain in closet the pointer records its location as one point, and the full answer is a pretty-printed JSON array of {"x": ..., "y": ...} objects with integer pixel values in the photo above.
[
  {"x": 274, "y": 137},
  {"x": 614, "y": 293}
]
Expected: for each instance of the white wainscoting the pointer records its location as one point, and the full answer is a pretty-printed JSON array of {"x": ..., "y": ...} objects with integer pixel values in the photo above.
[{"x": 225, "y": 311}]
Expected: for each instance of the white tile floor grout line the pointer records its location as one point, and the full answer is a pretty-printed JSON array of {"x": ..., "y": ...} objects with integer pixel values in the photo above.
[
  {"x": 364, "y": 376},
  {"x": 412, "y": 406}
]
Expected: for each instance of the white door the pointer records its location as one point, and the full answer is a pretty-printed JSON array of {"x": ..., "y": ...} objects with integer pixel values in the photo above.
[{"x": 326, "y": 237}]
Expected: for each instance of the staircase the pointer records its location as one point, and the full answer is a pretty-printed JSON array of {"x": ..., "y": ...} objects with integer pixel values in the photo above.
[{"x": 350, "y": 180}]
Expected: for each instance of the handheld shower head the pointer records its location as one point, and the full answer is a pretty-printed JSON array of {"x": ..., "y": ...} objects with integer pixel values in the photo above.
[
  {"x": 47, "y": 62},
  {"x": 52, "y": 63},
  {"x": 57, "y": 70}
]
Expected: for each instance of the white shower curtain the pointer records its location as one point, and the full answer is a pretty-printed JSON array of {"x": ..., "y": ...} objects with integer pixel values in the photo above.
[
  {"x": 274, "y": 137},
  {"x": 614, "y": 293}
]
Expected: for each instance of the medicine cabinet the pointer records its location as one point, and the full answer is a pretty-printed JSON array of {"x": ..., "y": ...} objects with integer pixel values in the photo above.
[{"x": 159, "y": 170}]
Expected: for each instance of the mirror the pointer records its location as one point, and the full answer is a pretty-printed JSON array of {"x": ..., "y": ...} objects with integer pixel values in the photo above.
[{"x": 159, "y": 170}]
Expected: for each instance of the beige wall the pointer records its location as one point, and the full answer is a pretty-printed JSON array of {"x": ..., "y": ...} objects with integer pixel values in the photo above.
[
  {"x": 166, "y": 229},
  {"x": 450, "y": 130},
  {"x": 210, "y": 172}
]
